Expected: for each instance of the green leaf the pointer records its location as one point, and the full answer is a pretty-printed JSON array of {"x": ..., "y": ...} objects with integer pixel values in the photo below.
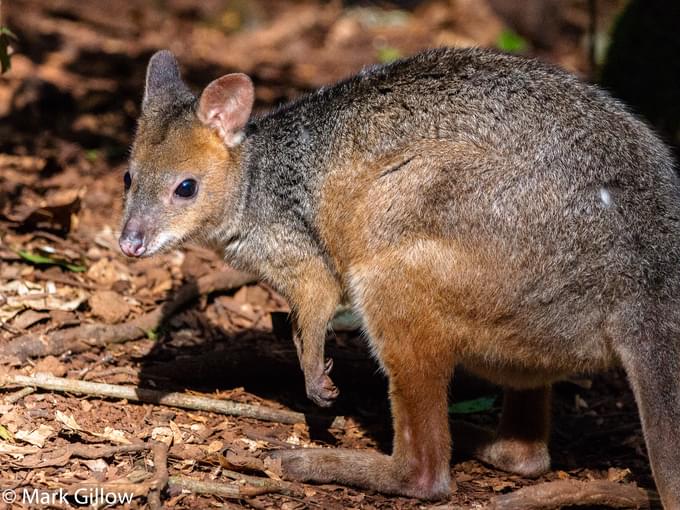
[
  {"x": 511, "y": 42},
  {"x": 6, "y": 31},
  {"x": 6, "y": 434},
  {"x": 388, "y": 54},
  {"x": 152, "y": 334},
  {"x": 6, "y": 35},
  {"x": 36, "y": 258},
  {"x": 5, "y": 63},
  {"x": 91, "y": 155},
  {"x": 477, "y": 405}
]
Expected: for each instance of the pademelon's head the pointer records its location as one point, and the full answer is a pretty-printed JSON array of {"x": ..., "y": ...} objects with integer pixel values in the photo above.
[{"x": 183, "y": 169}]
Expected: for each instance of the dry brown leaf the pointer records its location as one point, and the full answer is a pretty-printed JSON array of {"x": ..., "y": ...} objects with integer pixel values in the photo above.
[
  {"x": 18, "y": 452},
  {"x": 109, "y": 306},
  {"x": 618, "y": 475},
  {"x": 162, "y": 434},
  {"x": 176, "y": 433},
  {"x": 68, "y": 421},
  {"x": 36, "y": 437},
  {"x": 253, "y": 445},
  {"x": 106, "y": 272},
  {"x": 56, "y": 214},
  {"x": 499, "y": 485},
  {"x": 51, "y": 365},
  {"x": 214, "y": 446},
  {"x": 28, "y": 319},
  {"x": 187, "y": 451},
  {"x": 109, "y": 433},
  {"x": 96, "y": 465},
  {"x": 14, "y": 420},
  {"x": 158, "y": 280},
  {"x": 22, "y": 294},
  {"x": 113, "y": 435}
]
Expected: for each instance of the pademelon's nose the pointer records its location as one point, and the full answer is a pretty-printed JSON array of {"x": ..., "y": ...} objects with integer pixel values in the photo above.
[{"x": 132, "y": 240}]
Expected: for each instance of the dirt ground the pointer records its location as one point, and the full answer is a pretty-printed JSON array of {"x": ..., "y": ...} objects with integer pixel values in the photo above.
[{"x": 67, "y": 114}]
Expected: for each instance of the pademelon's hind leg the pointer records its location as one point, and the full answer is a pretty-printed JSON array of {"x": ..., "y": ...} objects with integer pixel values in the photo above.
[
  {"x": 419, "y": 372},
  {"x": 651, "y": 359},
  {"x": 520, "y": 444},
  {"x": 419, "y": 464}
]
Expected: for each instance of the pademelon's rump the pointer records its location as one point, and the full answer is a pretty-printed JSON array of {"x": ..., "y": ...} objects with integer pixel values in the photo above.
[{"x": 474, "y": 208}]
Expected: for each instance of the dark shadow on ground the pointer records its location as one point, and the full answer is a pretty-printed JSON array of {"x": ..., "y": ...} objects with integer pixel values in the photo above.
[{"x": 598, "y": 436}]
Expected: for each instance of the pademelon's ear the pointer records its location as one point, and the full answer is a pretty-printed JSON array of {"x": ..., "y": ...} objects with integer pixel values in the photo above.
[
  {"x": 225, "y": 106},
  {"x": 164, "y": 84}
]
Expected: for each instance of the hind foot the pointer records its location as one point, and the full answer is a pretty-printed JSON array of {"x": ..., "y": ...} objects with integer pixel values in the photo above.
[{"x": 366, "y": 470}]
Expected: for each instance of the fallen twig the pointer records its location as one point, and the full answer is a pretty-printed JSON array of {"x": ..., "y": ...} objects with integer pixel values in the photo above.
[
  {"x": 226, "y": 490},
  {"x": 133, "y": 393},
  {"x": 279, "y": 486},
  {"x": 160, "y": 477},
  {"x": 60, "y": 456},
  {"x": 85, "y": 337},
  {"x": 18, "y": 395},
  {"x": 561, "y": 493}
]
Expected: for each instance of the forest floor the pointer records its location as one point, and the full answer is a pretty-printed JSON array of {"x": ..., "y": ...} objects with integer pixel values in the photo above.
[{"x": 67, "y": 113}]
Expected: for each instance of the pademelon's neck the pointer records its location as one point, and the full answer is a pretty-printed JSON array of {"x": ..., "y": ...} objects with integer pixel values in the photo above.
[
  {"x": 229, "y": 237},
  {"x": 272, "y": 210}
]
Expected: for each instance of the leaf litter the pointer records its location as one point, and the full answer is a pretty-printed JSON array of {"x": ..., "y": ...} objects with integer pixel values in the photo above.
[{"x": 68, "y": 107}]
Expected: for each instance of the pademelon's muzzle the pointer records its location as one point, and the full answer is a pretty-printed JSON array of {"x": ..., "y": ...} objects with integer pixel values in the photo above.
[{"x": 132, "y": 239}]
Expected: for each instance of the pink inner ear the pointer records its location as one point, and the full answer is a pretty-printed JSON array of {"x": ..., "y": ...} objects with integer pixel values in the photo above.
[{"x": 226, "y": 103}]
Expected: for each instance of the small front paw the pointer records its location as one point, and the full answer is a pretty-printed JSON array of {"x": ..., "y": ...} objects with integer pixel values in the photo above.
[{"x": 320, "y": 388}]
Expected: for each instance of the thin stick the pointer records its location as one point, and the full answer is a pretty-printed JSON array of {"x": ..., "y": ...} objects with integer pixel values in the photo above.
[
  {"x": 160, "y": 478},
  {"x": 280, "y": 486},
  {"x": 85, "y": 337},
  {"x": 18, "y": 395},
  {"x": 562, "y": 493},
  {"x": 226, "y": 490},
  {"x": 61, "y": 456},
  {"x": 84, "y": 451},
  {"x": 136, "y": 394}
]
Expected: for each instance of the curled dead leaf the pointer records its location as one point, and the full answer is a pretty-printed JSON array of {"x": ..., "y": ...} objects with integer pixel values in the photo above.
[{"x": 36, "y": 437}]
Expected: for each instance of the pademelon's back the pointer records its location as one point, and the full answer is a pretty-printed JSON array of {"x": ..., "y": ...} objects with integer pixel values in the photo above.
[{"x": 547, "y": 176}]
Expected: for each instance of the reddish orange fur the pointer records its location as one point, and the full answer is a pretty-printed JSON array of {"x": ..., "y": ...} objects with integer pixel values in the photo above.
[{"x": 474, "y": 208}]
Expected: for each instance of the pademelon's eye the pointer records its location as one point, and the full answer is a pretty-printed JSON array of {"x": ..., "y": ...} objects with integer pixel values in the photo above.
[
  {"x": 127, "y": 180},
  {"x": 187, "y": 188}
]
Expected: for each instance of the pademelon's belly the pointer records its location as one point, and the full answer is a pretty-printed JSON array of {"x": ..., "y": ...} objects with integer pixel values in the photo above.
[{"x": 497, "y": 320}]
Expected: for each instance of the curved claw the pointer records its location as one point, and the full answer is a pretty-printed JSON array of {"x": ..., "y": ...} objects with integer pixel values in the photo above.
[{"x": 320, "y": 388}]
